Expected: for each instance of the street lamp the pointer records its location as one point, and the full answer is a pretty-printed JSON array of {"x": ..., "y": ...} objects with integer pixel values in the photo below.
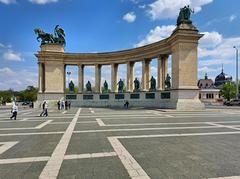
[
  {"x": 236, "y": 71},
  {"x": 68, "y": 73}
]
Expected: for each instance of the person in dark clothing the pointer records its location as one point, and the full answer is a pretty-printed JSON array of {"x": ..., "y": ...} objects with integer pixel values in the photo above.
[
  {"x": 43, "y": 108},
  {"x": 69, "y": 104},
  {"x": 58, "y": 104},
  {"x": 66, "y": 105},
  {"x": 126, "y": 104}
]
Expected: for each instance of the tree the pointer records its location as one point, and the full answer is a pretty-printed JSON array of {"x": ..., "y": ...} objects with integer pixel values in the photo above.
[{"x": 228, "y": 91}]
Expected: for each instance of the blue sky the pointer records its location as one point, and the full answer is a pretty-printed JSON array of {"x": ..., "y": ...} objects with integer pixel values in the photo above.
[{"x": 109, "y": 25}]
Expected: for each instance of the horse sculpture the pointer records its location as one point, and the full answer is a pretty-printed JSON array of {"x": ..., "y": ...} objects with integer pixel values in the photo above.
[{"x": 47, "y": 38}]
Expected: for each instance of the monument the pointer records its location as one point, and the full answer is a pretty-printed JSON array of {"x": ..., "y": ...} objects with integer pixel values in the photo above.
[{"x": 181, "y": 94}]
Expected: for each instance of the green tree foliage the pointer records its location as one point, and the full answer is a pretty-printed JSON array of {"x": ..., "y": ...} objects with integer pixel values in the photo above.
[
  {"x": 29, "y": 94},
  {"x": 228, "y": 91},
  {"x": 6, "y": 96}
]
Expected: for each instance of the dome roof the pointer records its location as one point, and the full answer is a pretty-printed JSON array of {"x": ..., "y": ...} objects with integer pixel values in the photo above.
[{"x": 222, "y": 78}]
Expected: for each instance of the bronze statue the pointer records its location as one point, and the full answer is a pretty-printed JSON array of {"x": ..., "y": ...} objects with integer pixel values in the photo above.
[
  {"x": 136, "y": 85},
  {"x": 153, "y": 84},
  {"x": 184, "y": 15},
  {"x": 105, "y": 86},
  {"x": 71, "y": 87},
  {"x": 47, "y": 38},
  {"x": 167, "y": 82},
  {"x": 88, "y": 86},
  {"x": 120, "y": 85}
]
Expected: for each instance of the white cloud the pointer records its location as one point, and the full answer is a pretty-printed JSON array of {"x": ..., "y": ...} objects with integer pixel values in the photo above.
[
  {"x": 7, "y": 71},
  {"x": 210, "y": 39},
  {"x": 206, "y": 69},
  {"x": 7, "y": 1},
  {"x": 12, "y": 56},
  {"x": 130, "y": 17},
  {"x": 5, "y": 46},
  {"x": 156, "y": 34},
  {"x": 42, "y": 1},
  {"x": 232, "y": 18},
  {"x": 17, "y": 79},
  {"x": 162, "y": 9}
]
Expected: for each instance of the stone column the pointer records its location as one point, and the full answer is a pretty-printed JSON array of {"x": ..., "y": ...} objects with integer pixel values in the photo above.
[
  {"x": 184, "y": 47},
  {"x": 80, "y": 78},
  {"x": 146, "y": 74},
  {"x": 98, "y": 78},
  {"x": 64, "y": 78},
  {"x": 130, "y": 76},
  {"x": 162, "y": 71},
  {"x": 54, "y": 77},
  {"x": 40, "y": 77},
  {"x": 114, "y": 77}
]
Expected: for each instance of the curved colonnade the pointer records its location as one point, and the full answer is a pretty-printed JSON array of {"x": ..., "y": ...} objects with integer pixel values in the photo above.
[{"x": 182, "y": 45}]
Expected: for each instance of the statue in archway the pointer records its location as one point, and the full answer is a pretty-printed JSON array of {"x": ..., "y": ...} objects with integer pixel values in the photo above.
[
  {"x": 136, "y": 85},
  {"x": 120, "y": 85},
  {"x": 184, "y": 15},
  {"x": 167, "y": 82},
  {"x": 89, "y": 87},
  {"x": 105, "y": 86},
  {"x": 71, "y": 87},
  {"x": 153, "y": 84}
]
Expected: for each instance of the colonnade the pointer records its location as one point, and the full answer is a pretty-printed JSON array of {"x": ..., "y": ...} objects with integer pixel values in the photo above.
[
  {"x": 182, "y": 45},
  {"x": 162, "y": 67}
]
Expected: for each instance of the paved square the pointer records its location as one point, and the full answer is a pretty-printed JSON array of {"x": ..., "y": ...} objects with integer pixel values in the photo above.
[{"x": 110, "y": 143}]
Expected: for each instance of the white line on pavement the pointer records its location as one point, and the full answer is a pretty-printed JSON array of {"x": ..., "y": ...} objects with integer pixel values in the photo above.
[
  {"x": 43, "y": 124},
  {"x": 66, "y": 157},
  {"x": 64, "y": 112},
  {"x": 4, "y": 146},
  {"x": 147, "y": 129},
  {"x": 32, "y": 133},
  {"x": 178, "y": 135},
  {"x": 24, "y": 160},
  {"x": 52, "y": 167},
  {"x": 131, "y": 165},
  {"x": 24, "y": 119},
  {"x": 220, "y": 125},
  {"x": 232, "y": 177},
  {"x": 93, "y": 155},
  {"x": 100, "y": 122}
]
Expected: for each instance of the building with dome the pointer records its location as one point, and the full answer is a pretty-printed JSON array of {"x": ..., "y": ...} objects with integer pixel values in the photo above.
[{"x": 209, "y": 90}]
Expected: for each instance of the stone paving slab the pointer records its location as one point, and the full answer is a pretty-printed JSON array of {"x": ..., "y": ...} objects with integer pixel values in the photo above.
[
  {"x": 21, "y": 171},
  {"x": 101, "y": 168},
  {"x": 91, "y": 138},
  {"x": 32, "y": 146},
  {"x": 187, "y": 157}
]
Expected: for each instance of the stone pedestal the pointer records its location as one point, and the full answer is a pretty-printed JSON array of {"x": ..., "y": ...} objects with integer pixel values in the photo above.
[{"x": 184, "y": 43}]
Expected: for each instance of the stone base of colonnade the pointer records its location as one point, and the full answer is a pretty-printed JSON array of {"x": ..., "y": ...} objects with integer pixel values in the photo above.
[
  {"x": 186, "y": 99},
  {"x": 52, "y": 99},
  {"x": 172, "y": 99}
]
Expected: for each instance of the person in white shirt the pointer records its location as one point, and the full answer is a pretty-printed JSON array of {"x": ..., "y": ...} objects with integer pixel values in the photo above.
[
  {"x": 14, "y": 111},
  {"x": 46, "y": 109}
]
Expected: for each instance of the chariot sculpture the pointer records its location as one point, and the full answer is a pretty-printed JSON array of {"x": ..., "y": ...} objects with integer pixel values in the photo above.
[{"x": 46, "y": 38}]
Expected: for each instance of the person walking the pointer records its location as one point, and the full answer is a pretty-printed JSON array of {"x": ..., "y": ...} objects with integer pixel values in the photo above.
[
  {"x": 14, "y": 111},
  {"x": 69, "y": 105},
  {"x": 43, "y": 108},
  {"x": 126, "y": 104},
  {"x": 62, "y": 104},
  {"x": 59, "y": 104},
  {"x": 46, "y": 109},
  {"x": 66, "y": 105}
]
